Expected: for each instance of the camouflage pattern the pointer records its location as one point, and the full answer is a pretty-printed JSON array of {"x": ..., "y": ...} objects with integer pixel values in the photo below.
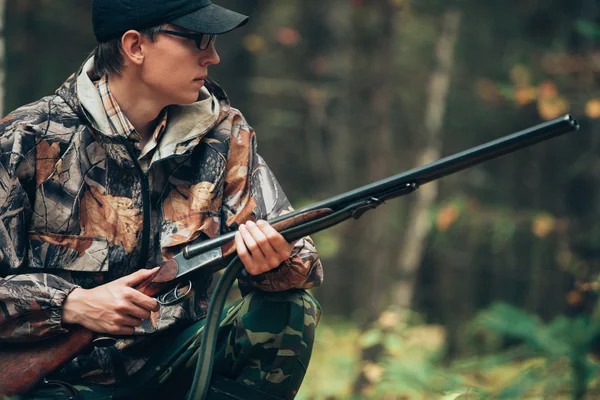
[
  {"x": 269, "y": 344},
  {"x": 81, "y": 206},
  {"x": 265, "y": 343}
]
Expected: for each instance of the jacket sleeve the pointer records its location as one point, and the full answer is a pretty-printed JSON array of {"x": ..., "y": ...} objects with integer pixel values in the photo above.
[
  {"x": 30, "y": 304},
  {"x": 252, "y": 192}
]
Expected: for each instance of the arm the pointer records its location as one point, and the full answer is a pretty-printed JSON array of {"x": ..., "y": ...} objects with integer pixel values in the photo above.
[
  {"x": 256, "y": 195},
  {"x": 30, "y": 304},
  {"x": 35, "y": 306}
]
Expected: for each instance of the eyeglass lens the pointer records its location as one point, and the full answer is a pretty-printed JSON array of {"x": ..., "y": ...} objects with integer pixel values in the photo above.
[{"x": 204, "y": 41}]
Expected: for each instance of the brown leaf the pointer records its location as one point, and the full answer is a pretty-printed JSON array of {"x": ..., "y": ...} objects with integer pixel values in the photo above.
[
  {"x": 447, "y": 216},
  {"x": 525, "y": 95},
  {"x": 77, "y": 243},
  {"x": 547, "y": 90},
  {"x": 46, "y": 157},
  {"x": 288, "y": 36},
  {"x": 188, "y": 207},
  {"x": 115, "y": 218}
]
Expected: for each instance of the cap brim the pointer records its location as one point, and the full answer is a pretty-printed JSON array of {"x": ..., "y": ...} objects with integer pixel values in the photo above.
[{"x": 212, "y": 19}]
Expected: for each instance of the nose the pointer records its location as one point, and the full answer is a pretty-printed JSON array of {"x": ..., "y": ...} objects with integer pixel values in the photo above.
[{"x": 210, "y": 56}]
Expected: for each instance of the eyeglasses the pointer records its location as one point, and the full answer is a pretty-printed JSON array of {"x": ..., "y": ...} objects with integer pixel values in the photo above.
[{"x": 202, "y": 40}]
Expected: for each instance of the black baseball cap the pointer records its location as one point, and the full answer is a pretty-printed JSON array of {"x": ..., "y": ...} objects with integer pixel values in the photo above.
[{"x": 112, "y": 18}]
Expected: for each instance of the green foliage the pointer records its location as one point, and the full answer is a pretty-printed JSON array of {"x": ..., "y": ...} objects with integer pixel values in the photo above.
[
  {"x": 562, "y": 345},
  {"x": 588, "y": 29},
  {"x": 548, "y": 360}
]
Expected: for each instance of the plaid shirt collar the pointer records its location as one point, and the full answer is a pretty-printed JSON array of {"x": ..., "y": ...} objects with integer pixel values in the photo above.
[{"x": 119, "y": 124}]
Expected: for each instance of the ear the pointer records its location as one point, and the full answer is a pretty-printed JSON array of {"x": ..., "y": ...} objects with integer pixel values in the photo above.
[{"x": 133, "y": 51}]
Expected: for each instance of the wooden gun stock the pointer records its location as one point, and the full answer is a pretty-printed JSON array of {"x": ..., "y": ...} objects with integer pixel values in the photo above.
[{"x": 24, "y": 365}]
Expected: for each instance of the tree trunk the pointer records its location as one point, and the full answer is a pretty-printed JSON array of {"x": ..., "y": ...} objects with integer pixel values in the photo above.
[
  {"x": 372, "y": 104},
  {"x": 417, "y": 225}
]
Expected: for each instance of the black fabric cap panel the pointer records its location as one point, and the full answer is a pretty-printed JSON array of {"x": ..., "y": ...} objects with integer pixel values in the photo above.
[{"x": 111, "y": 18}]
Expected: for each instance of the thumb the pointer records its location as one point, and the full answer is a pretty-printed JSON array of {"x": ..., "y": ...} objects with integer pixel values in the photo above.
[{"x": 138, "y": 277}]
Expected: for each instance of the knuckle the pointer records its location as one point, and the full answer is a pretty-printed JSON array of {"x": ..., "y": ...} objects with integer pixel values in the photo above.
[
  {"x": 253, "y": 271},
  {"x": 121, "y": 307},
  {"x": 273, "y": 236},
  {"x": 241, "y": 250},
  {"x": 274, "y": 262},
  {"x": 262, "y": 241},
  {"x": 252, "y": 246}
]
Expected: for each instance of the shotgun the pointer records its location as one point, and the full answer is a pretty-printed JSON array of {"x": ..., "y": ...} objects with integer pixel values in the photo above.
[{"x": 23, "y": 366}]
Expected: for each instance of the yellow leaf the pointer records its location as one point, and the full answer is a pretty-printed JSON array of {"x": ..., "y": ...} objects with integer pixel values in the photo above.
[
  {"x": 254, "y": 43},
  {"x": 592, "y": 108},
  {"x": 543, "y": 225},
  {"x": 373, "y": 372},
  {"x": 388, "y": 319},
  {"x": 550, "y": 108}
]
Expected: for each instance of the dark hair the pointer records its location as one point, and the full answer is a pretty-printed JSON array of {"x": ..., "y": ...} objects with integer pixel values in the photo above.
[{"x": 108, "y": 57}]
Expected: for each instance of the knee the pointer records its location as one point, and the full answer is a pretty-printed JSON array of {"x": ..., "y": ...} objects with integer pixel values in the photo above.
[{"x": 294, "y": 312}]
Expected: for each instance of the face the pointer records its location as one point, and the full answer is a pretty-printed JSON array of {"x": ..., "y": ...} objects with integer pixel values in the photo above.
[{"x": 174, "y": 69}]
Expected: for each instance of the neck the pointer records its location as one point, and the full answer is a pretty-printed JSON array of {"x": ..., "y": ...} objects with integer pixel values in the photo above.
[{"x": 137, "y": 103}]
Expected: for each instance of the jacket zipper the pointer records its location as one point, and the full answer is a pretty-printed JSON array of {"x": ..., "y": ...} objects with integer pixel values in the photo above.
[{"x": 145, "y": 208}]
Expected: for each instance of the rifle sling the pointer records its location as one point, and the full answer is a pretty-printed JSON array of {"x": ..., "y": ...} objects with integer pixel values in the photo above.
[{"x": 206, "y": 353}]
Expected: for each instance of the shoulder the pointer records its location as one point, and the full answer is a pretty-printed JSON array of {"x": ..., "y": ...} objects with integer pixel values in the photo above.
[
  {"x": 49, "y": 119},
  {"x": 232, "y": 131},
  {"x": 49, "y": 116}
]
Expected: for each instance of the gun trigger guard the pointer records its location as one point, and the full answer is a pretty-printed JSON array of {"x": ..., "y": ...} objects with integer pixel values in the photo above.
[
  {"x": 370, "y": 204},
  {"x": 175, "y": 296}
]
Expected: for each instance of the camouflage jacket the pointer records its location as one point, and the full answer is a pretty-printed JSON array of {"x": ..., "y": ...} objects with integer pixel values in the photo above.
[{"x": 81, "y": 207}]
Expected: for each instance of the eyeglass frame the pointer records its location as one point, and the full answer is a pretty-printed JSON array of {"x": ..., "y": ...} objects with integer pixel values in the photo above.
[{"x": 197, "y": 37}]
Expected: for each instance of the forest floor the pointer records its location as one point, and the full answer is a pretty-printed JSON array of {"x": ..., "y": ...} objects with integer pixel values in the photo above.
[{"x": 414, "y": 370}]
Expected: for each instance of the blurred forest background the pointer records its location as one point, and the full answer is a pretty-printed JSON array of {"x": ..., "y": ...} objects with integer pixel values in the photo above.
[{"x": 481, "y": 285}]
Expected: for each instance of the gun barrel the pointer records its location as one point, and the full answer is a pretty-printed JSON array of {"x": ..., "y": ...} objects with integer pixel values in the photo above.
[{"x": 424, "y": 174}]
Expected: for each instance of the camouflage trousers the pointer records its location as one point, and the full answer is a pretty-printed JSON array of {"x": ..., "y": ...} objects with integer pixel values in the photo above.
[{"x": 265, "y": 342}]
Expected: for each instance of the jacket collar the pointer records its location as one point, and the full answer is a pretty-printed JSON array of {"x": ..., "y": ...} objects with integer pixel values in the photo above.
[{"x": 187, "y": 123}]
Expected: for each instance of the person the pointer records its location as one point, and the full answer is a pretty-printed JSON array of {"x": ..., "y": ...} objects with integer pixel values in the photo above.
[{"x": 136, "y": 155}]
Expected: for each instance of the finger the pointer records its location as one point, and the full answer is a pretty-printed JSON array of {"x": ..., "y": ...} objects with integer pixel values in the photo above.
[
  {"x": 121, "y": 330},
  {"x": 251, "y": 244},
  {"x": 137, "y": 311},
  {"x": 139, "y": 299},
  {"x": 244, "y": 255},
  {"x": 281, "y": 246},
  {"x": 128, "y": 321},
  {"x": 271, "y": 255},
  {"x": 137, "y": 277}
]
